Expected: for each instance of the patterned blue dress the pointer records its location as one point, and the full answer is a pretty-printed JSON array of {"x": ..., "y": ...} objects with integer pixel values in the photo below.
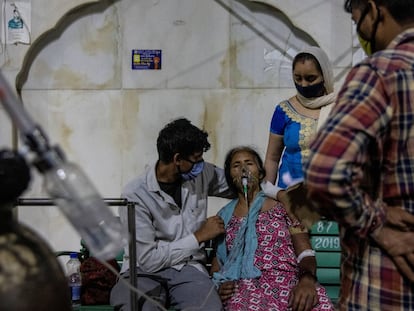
[{"x": 297, "y": 131}]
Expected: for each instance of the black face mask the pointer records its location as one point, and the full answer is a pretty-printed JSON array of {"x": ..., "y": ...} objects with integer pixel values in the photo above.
[{"x": 311, "y": 91}]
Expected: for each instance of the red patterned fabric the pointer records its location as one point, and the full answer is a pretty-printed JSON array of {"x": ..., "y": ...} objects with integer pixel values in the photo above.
[
  {"x": 97, "y": 281},
  {"x": 276, "y": 259}
]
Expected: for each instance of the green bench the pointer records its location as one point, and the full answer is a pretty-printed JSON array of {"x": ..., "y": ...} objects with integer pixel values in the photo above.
[{"x": 325, "y": 241}]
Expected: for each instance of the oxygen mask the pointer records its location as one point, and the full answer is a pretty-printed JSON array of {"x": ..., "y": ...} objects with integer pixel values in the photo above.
[{"x": 246, "y": 180}]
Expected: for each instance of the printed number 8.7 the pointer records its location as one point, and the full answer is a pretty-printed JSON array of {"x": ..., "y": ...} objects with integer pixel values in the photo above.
[{"x": 324, "y": 226}]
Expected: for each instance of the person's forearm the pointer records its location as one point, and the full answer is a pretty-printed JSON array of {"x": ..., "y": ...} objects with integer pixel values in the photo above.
[
  {"x": 274, "y": 152},
  {"x": 305, "y": 255},
  {"x": 162, "y": 254},
  {"x": 214, "y": 266},
  {"x": 308, "y": 264},
  {"x": 271, "y": 171},
  {"x": 301, "y": 242}
]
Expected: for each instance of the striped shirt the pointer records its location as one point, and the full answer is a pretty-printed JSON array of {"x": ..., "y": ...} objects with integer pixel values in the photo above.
[{"x": 362, "y": 160}]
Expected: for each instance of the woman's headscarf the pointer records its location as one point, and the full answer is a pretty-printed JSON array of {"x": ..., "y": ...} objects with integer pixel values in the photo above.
[
  {"x": 324, "y": 102},
  {"x": 325, "y": 64}
]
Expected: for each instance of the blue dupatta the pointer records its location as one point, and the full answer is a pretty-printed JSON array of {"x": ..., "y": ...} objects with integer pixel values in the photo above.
[{"x": 239, "y": 262}]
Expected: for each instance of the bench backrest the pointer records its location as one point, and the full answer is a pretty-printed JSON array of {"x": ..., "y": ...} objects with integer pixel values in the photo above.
[{"x": 325, "y": 241}]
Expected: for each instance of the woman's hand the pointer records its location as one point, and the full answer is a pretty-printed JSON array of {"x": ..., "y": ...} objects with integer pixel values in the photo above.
[
  {"x": 269, "y": 189},
  {"x": 303, "y": 296},
  {"x": 227, "y": 289}
]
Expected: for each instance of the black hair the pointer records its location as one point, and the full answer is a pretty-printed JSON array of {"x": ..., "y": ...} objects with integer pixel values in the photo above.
[
  {"x": 180, "y": 136},
  {"x": 349, "y": 4},
  {"x": 401, "y": 10},
  {"x": 229, "y": 158},
  {"x": 303, "y": 56}
]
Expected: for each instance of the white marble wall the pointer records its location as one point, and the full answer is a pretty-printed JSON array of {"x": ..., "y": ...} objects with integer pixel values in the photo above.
[{"x": 225, "y": 66}]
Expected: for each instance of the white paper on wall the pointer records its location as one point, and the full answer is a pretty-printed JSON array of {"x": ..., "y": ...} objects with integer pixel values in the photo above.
[{"x": 16, "y": 18}]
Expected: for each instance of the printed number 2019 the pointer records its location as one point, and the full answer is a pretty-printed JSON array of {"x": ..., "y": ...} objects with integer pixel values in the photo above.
[{"x": 327, "y": 243}]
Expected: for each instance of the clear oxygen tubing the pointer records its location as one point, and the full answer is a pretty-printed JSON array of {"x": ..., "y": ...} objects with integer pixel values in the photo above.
[
  {"x": 66, "y": 183},
  {"x": 245, "y": 183}
]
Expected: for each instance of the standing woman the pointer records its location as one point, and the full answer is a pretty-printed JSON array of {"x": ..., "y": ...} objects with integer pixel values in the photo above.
[{"x": 295, "y": 121}]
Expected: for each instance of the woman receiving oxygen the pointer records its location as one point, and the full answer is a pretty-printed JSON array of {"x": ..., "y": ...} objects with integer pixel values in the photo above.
[{"x": 258, "y": 262}]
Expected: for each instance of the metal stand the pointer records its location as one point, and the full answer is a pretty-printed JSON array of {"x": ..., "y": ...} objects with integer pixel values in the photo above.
[
  {"x": 131, "y": 232},
  {"x": 132, "y": 253}
]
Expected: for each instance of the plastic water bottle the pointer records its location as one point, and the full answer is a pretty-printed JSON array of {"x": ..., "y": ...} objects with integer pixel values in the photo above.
[
  {"x": 80, "y": 202},
  {"x": 74, "y": 279}
]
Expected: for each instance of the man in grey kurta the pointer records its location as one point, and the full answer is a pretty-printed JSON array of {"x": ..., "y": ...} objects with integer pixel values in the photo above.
[{"x": 171, "y": 221}]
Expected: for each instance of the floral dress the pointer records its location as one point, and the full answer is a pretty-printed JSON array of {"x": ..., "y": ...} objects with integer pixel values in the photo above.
[{"x": 276, "y": 259}]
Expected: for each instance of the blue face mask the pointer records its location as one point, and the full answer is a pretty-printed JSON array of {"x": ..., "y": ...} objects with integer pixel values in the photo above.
[
  {"x": 311, "y": 91},
  {"x": 195, "y": 171}
]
